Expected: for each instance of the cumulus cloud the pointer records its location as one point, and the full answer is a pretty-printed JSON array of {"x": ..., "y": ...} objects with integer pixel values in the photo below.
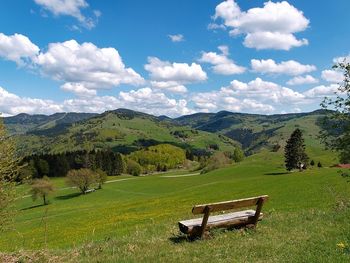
[
  {"x": 300, "y": 80},
  {"x": 70, "y": 8},
  {"x": 173, "y": 76},
  {"x": 321, "y": 91},
  {"x": 332, "y": 76},
  {"x": 11, "y": 104},
  {"x": 17, "y": 48},
  {"x": 221, "y": 63},
  {"x": 177, "y": 38},
  {"x": 290, "y": 67},
  {"x": 270, "y": 27},
  {"x": 144, "y": 99},
  {"x": 181, "y": 72},
  {"x": 85, "y": 66}
]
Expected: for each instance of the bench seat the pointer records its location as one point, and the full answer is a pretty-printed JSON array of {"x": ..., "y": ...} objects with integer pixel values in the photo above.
[{"x": 224, "y": 220}]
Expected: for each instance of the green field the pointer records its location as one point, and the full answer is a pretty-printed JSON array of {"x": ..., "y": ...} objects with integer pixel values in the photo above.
[{"x": 136, "y": 219}]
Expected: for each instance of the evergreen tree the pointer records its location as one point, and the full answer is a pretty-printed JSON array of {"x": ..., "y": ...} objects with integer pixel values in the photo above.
[{"x": 294, "y": 152}]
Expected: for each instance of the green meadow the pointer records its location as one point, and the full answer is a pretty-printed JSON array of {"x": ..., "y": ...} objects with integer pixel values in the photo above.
[{"x": 134, "y": 219}]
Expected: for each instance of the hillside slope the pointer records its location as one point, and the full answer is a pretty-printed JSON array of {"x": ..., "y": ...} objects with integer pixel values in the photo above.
[
  {"x": 257, "y": 132},
  {"x": 121, "y": 130}
]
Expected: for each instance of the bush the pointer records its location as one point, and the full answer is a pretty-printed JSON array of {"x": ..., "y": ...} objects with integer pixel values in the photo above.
[
  {"x": 319, "y": 164},
  {"x": 238, "y": 155},
  {"x": 82, "y": 178},
  {"x": 218, "y": 160},
  {"x": 312, "y": 163},
  {"x": 133, "y": 168}
]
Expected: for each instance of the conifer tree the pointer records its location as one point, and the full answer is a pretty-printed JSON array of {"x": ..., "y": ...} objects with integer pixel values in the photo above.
[{"x": 294, "y": 152}]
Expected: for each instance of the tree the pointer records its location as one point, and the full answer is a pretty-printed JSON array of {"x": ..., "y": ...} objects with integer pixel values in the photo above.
[
  {"x": 294, "y": 152},
  {"x": 8, "y": 173},
  {"x": 133, "y": 168},
  {"x": 312, "y": 163},
  {"x": 101, "y": 178},
  {"x": 319, "y": 165},
  {"x": 42, "y": 188},
  {"x": 238, "y": 155},
  {"x": 336, "y": 125},
  {"x": 82, "y": 178}
]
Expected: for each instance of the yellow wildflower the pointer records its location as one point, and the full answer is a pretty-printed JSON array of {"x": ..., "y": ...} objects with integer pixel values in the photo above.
[{"x": 341, "y": 245}]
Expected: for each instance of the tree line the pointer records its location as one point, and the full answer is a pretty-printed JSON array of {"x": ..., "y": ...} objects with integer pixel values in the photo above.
[{"x": 58, "y": 165}]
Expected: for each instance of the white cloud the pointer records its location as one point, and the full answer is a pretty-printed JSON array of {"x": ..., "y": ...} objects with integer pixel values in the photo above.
[
  {"x": 264, "y": 91},
  {"x": 214, "y": 26},
  {"x": 173, "y": 76},
  {"x": 171, "y": 86},
  {"x": 221, "y": 63},
  {"x": 78, "y": 89},
  {"x": 85, "y": 66},
  {"x": 332, "y": 76},
  {"x": 176, "y": 38},
  {"x": 144, "y": 99},
  {"x": 289, "y": 67},
  {"x": 180, "y": 72},
  {"x": 269, "y": 40},
  {"x": 70, "y": 8},
  {"x": 300, "y": 80},
  {"x": 321, "y": 91},
  {"x": 270, "y": 27},
  {"x": 343, "y": 59},
  {"x": 17, "y": 48},
  {"x": 11, "y": 104}
]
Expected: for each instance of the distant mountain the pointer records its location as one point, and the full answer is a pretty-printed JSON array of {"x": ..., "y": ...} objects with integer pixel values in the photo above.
[
  {"x": 254, "y": 131},
  {"x": 121, "y": 130},
  {"x": 22, "y": 123},
  {"x": 126, "y": 130}
]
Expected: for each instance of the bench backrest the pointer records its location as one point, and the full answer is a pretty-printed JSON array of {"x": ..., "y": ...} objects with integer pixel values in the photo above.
[{"x": 228, "y": 205}]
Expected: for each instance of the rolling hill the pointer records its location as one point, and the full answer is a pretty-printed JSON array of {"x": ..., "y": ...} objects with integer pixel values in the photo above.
[
  {"x": 256, "y": 132},
  {"x": 125, "y": 131},
  {"x": 121, "y": 130}
]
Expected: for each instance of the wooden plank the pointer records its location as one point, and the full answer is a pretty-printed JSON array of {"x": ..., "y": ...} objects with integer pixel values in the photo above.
[
  {"x": 224, "y": 220},
  {"x": 228, "y": 205}
]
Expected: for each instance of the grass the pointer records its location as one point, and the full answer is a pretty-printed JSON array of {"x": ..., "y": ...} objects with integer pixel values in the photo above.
[{"x": 136, "y": 220}]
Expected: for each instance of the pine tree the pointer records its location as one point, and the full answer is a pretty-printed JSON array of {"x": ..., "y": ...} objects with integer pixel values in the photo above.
[{"x": 294, "y": 152}]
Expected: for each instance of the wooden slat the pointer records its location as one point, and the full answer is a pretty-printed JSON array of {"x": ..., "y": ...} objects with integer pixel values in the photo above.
[
  {"x": 224, "y": 220},
  {"x": 228, "y": 205}
]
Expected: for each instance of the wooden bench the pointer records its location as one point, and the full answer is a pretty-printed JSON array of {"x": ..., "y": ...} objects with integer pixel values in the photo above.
[{"x": 198, "y": 226}]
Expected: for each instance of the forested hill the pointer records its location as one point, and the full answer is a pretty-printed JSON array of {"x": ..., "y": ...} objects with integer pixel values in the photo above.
[
  {"x": 255, "y": 131},
  {"x": 121, "y": 130},
  {"x": 125, "y": 130}
]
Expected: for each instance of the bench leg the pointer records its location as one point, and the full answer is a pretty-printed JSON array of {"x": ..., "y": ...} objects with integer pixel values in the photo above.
[{"x": 205, "y": 221}]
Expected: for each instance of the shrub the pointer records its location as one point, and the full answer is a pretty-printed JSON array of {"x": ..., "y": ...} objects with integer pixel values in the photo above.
[
  {"x": 319, "y": 164},
  {"x": 218, "y": 160},
  {"x": 312, "y": 163},
  {"x": 133, "y": 168}
]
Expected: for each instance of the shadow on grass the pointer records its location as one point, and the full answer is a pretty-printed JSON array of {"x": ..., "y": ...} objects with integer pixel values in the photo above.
[
  {"x": 66, "y": 197},
  {"x": 32, "y": 207},
  {"x": 277, "y": 173},
  {"x": 180, "y": 238}
]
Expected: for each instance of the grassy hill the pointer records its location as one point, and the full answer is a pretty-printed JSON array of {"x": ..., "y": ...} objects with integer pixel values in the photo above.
[
  {"x": 121, "y": 130},
  {"x": 134, "y": 219},
  {"x": 257, "y": 132}
]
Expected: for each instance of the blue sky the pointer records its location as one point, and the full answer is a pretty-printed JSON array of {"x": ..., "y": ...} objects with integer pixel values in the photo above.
[{"x": 170, "y": 57}]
